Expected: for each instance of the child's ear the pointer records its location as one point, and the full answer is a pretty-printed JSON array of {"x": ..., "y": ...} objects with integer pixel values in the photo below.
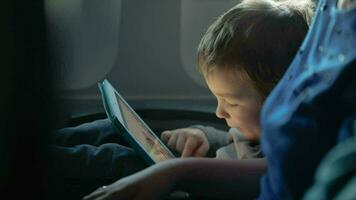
[{"x": 346, "y": 4}]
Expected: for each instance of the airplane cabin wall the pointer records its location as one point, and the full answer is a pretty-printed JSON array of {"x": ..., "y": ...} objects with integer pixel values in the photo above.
[{"x": 146, "y": 49}]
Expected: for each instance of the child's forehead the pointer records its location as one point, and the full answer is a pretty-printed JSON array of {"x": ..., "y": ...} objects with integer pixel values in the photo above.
[
  {"x": 227, "y": 80},
  {"x": 236, "y": 75}
]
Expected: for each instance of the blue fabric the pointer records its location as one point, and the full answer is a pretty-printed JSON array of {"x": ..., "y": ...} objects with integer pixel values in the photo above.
[{"x": 302, "y": 118}]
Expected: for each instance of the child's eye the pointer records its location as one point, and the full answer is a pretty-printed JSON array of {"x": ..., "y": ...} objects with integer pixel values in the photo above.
[
  {"x": 232, "y": 104},
  {"x": 229, "y": 103}
]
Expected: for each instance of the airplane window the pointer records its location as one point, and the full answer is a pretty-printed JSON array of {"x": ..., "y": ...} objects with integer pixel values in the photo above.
[{"x": 84, "y": 38}]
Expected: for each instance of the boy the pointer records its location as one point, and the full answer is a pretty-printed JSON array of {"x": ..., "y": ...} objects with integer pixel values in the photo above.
[
  {"x": 258, "y": 62},
  {"x": 242, "y": 56}
]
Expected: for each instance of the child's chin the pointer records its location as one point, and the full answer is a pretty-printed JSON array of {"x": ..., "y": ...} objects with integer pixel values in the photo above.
[
  {"x": 236, "y": 127},
  {"x": 230, "y": 125}
]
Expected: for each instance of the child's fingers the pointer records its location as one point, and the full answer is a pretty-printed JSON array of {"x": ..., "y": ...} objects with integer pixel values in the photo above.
[
  {"x": 181, "y": 139},
  {"x": 202, "y": 150},
  {"x": 172, "y": 141},
  {"x": 165, "y": 135},
  {"x": 189, "y": 147}
]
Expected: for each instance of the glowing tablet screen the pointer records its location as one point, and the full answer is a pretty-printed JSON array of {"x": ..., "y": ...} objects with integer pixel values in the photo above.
[{"x": 142, "y": 134}]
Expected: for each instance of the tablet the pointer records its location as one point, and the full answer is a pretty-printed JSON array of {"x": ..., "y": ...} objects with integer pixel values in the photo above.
[{"x": 133, "y": 129}]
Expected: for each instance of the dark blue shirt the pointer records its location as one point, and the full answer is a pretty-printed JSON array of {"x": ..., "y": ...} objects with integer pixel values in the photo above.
[{"x": 313, "y": 106}]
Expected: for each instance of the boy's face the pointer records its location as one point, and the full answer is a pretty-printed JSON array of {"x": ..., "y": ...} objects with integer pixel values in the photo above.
[{"x": 239, "y": 103}]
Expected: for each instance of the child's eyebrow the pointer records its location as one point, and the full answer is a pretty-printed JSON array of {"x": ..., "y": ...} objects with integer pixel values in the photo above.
[{"x": 230, "y": 95}]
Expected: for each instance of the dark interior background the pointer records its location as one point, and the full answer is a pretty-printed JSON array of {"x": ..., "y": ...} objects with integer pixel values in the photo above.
[{"x": 27, "y": 101}]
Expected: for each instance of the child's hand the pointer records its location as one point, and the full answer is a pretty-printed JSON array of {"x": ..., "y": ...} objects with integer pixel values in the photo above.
[{"x": 190, "y": 142}]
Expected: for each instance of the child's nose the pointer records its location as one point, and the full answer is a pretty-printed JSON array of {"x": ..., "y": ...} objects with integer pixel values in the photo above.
[{"x": 220, "y": 112}]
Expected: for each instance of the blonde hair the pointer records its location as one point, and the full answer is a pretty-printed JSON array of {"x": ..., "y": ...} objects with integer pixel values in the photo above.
[{"x": 256, "y": 38}]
